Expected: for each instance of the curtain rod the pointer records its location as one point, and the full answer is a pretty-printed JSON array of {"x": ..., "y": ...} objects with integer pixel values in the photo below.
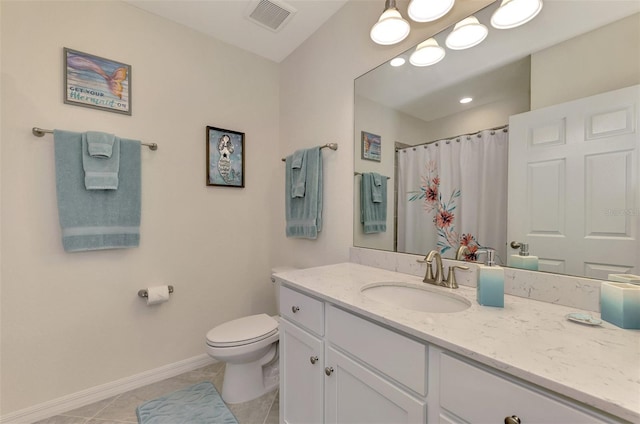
[
  {"x": 332, "y": 146},
  {"x": 40, "y": 132},
  {"x": 504, "y": 128}
]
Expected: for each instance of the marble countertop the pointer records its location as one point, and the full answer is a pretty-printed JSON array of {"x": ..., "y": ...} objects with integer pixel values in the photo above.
[{"x": 596, "y": 365}]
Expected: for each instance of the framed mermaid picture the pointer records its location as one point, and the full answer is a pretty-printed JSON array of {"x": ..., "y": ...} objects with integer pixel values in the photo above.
[
  {"x": 96, "y": 82},
  {"x": 225, "y": 157}
]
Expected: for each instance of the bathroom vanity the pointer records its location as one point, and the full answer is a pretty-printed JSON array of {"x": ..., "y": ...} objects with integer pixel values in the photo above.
[{"x": 345, "y": 357}]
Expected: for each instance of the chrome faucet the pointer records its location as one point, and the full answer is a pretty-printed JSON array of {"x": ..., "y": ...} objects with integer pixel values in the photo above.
[{"x": 429, "y": 277}]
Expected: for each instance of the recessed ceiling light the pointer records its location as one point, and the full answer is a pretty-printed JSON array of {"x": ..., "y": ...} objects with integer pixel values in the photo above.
[
  {"x": 466, "y": 100},
  {"x": 398, "y": 61}
]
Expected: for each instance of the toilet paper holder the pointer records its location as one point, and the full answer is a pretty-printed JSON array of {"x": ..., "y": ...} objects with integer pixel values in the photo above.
[{"x": 144, "y": 293}]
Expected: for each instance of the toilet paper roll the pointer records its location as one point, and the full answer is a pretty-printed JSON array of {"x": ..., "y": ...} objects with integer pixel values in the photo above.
[{"x": 157, "y": 294}]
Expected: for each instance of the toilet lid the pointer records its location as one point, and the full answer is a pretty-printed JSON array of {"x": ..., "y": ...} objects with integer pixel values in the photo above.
[{"x": 242, "y": 330}]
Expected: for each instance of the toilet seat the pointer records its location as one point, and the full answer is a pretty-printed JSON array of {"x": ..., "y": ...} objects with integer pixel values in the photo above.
[{"x": 242, "y": 331}]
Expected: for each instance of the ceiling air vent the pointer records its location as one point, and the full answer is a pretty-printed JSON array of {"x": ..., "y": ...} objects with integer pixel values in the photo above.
[{"x": 270, "y": 14}]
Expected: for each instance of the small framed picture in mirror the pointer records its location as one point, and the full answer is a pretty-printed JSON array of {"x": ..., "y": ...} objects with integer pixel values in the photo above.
[{"x": 371, "y": 146}]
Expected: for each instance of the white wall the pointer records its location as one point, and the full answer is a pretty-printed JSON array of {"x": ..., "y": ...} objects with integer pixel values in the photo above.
[
  {"x": 476, "y": 119},
  {"x": 602, "y": 60},
  {"x": 316, "y": 106},
  {"x": 391, "y": 125},
  {"x": 74, "y": 321}
]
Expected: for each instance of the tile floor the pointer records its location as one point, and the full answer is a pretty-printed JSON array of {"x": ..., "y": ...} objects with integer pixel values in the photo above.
[{"x": 122, "y": 408}]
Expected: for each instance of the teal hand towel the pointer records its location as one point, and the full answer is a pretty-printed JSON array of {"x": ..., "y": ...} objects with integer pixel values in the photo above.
[
  {"x": 100, "y": 144},
  {"x": 298, "y": 173},
  {"x": 304, "y": 214},
  {"x": 96, "y": 219},
  {"x": 376, "y": 188},
  {"x": 373, "y": 215},
  {"x": 100, "y": 172}
]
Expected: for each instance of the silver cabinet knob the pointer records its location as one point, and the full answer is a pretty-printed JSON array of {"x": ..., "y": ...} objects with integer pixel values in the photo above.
[
  {"x": 295, "y": 309},
  {"x": 328, "y": 370},
  {"x": 512, "y": 420},
  {"x": 313, "y": 359}
]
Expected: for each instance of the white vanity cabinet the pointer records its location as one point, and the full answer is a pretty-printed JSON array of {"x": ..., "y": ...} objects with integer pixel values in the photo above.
[{"x": 336, "y": 367}]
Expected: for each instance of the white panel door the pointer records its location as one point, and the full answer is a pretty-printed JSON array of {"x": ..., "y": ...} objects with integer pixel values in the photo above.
[
  {"x": 354, "y": 394},
  {"x": 301, "y": 376},
  {"x": 574, "y": 192}
]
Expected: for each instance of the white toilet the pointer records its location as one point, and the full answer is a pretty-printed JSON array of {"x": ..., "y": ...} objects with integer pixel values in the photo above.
[{"x": 249, "y": 346}]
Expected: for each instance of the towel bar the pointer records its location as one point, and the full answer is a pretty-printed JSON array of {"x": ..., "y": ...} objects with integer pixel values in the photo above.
[
  {"x": 359, "y": 173},
  {"x": 332, "y": 146},
  {"x": 40, "y": 132},
  {"x": 143, "y": 292}
]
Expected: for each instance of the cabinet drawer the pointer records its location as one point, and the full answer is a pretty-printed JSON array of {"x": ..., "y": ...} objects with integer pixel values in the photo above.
[
  {"x": 302, "y": 309},
  {"x": 396, "y": 356},
  {"x": 476, "y": 395}
]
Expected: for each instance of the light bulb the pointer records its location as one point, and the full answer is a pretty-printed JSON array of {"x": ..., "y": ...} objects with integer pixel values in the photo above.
[
  {"x": 428, "y": 10},
  {"x": 513, "y": 13},
  {"x": 467, "y": 33},
  {"x": 391, "y": 28},
  {"x": 427, "y": 53}
]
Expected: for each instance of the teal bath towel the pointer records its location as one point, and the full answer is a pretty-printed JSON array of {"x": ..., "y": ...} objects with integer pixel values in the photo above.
[
  {"x": 373, "y": 215},
  {"x": 298, "y": 173},
  {"x": 376, "y": 188},
  {"x": 304, "y": 214},
  {"x": 100, "y": 144},
  {"x": 100, "y": 171},
  {"x": 96, "y": 219}
]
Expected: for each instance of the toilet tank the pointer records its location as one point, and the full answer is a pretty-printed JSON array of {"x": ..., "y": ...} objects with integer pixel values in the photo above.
[{"x": 276, "y": 285}]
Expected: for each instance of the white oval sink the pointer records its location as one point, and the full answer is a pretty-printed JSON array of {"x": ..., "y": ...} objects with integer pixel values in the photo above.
[{"x": 416, "y": 298}]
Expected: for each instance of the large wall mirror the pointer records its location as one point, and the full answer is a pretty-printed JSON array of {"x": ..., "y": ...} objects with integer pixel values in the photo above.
[{"x": 547, "y": 153}]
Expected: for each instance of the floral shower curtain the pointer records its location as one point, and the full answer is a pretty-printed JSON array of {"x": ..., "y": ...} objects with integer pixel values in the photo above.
[{"x": 453, "y": 192}]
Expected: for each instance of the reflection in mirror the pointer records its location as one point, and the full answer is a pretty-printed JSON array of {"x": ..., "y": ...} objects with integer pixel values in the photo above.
[{"x": 545, "y": 155}]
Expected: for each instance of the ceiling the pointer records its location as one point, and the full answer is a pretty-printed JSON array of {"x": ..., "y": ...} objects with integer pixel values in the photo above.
[
  {"x": 433, "y": 92},
  {"x": 228, "y": 20}
]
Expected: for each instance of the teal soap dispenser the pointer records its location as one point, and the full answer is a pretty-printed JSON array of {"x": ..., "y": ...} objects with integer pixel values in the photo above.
[
  {"x": 523, "y": 259},
  {"x": 490, "y": 287}
]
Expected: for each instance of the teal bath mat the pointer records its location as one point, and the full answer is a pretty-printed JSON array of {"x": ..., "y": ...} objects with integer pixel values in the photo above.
[{"x": 198, "y": 404}]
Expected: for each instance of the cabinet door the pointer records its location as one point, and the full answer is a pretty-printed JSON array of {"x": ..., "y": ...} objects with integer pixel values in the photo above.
[
  {"x": 354, "y": 394},
  {"x": 301, "y": 376}
]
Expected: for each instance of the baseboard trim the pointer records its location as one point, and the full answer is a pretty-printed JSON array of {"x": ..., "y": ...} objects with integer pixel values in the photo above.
[{"x": 104, "y": 391}]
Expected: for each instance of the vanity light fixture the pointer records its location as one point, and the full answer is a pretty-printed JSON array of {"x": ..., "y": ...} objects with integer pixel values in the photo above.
[
  {"x": 428, "y": 10},
  {"x": 466, "y": 34},
  {"x": 391, "y": 28},
  {"x": 427, "y": 53},
  {"x": 466, "y": 100},
  {"x": 513, "y": 13},
  {"x": 397, "y": 61}
]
